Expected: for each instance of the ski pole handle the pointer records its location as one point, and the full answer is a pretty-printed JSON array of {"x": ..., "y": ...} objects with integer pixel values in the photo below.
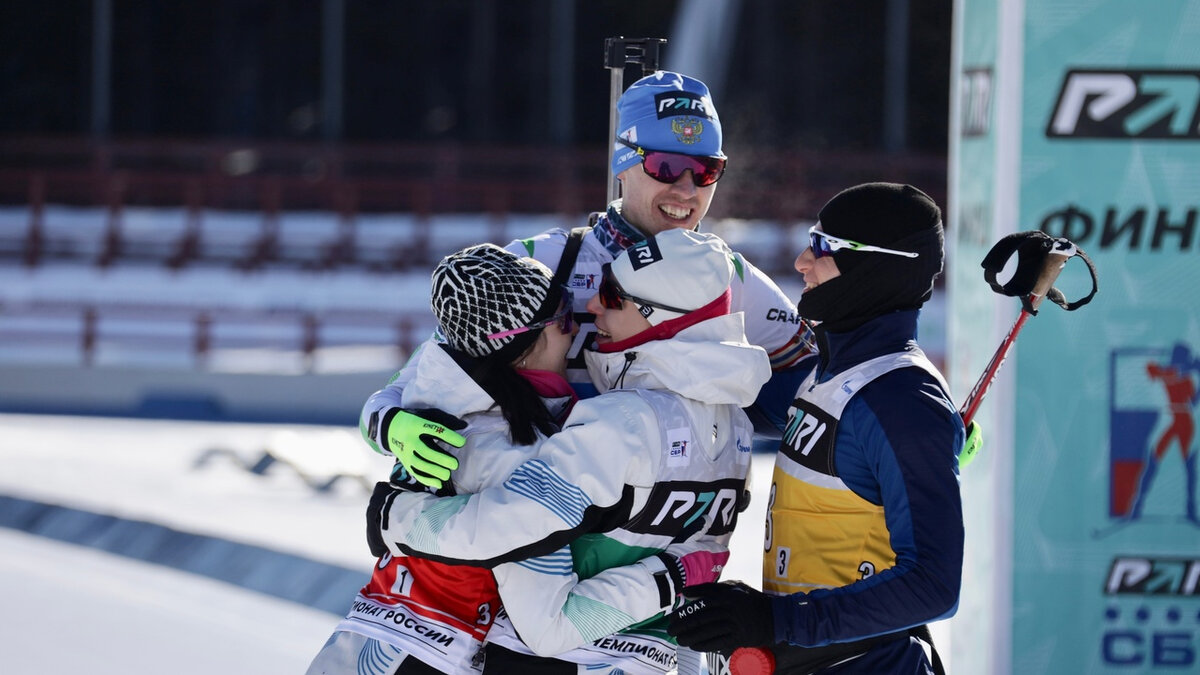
[{"x": 1056, "y": 260}]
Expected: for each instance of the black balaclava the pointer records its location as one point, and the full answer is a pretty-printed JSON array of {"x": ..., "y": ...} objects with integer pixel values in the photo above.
[{"x": 872, "y": 284}]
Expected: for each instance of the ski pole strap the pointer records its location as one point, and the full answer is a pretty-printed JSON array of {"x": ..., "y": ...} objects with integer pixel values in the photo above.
[
  {"x": 1056, "y": 296},
  {"x": 922, "y": 633},
  {"x": 1033, "y": 248}
]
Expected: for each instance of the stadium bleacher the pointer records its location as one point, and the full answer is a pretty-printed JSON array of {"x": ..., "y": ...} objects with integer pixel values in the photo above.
[{"x": 218, "y": 256}]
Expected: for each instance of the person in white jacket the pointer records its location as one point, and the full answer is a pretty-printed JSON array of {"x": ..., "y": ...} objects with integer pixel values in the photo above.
[
  {"x": 502, "y": 368},
  {"x": 658, "y": 460}
]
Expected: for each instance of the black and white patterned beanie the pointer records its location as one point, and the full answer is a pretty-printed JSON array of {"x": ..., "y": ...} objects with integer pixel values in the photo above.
[{"x": 484, "y": 289}]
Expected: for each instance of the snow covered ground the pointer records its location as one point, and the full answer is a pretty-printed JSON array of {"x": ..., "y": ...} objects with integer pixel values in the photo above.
[
  {"x": 73, "y": 609},
  {"x": 110, "y": 494}
]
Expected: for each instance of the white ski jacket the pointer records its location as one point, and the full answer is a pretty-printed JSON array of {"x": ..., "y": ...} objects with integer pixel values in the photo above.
[{"x": 659, "y": 459}]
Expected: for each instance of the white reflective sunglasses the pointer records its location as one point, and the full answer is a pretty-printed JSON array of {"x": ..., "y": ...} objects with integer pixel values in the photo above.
[{"x": 825, "y": 244}]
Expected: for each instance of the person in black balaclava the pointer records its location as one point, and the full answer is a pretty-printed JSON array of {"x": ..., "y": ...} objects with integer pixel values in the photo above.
[
  {"x": 873, "y": 283},
  {"x": 865, "y": 534}
]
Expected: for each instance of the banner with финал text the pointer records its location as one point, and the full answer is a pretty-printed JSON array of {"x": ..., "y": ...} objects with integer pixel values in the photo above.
[
  {"x": 1091, "y": 462},
  {"x": 1106, "y": 567}
]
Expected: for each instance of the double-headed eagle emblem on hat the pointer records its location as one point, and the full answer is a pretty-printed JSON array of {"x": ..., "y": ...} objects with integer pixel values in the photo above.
[{"x": 687, "y": 130}]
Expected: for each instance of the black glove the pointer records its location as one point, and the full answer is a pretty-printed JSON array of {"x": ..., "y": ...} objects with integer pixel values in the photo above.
[
  {"x": 380, "y": 499},
  {"x": 723, "y": 617}
]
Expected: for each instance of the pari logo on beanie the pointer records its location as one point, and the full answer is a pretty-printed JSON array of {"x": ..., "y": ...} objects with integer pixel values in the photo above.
[
  {"x": 676, "y": 268},
  {"x": 483, "y": 290},
  {"x": 668, "y": 112}
]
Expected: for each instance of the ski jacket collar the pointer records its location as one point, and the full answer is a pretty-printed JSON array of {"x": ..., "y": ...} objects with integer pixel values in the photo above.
[
  {"x": 441, "y": 383},
  {"x": 710, "y": 362},
  {"x": 550, "y": 385},
  {"x": 887, "y": 334},
  {"x": 615, "y": 233}
]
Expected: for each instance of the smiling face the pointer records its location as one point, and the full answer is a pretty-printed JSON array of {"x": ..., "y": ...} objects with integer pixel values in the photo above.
[
  {"x": 615, "y": 325},
  {"x": 816, "y": 271},
  {"x": 654, "y": 207}
]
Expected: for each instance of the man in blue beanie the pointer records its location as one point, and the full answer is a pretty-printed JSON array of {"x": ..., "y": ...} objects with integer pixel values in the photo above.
[
  {"x": 668, "y": 157},
  {"x": 865, "y": 538},
  {"x": 668, "y": 125}
]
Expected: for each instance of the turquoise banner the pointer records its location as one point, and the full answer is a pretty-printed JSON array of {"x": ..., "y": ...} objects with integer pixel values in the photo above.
[
  {"x": 1106, "y": 535},
  {"x": 971, "y": 216}
]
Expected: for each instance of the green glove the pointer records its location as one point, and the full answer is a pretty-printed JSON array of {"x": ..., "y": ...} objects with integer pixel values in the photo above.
[
  {"x": 971, "y": 445},
  {"x": 414, "y": 437}
]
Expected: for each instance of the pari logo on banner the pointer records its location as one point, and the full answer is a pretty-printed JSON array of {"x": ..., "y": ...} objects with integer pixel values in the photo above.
[
  {"x": 1127, "y": 104},
  {"x": 1151, "y": 617}
]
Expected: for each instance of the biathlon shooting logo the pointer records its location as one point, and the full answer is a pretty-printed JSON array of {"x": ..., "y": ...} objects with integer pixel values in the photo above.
[{"x": 1152, "y": 432}]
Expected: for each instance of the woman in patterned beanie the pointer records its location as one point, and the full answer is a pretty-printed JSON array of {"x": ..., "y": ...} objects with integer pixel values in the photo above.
[{"x": 499, "y": 364}]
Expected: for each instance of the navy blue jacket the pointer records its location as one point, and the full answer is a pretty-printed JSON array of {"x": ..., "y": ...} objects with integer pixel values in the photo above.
[{"x": 896, "y": 446}]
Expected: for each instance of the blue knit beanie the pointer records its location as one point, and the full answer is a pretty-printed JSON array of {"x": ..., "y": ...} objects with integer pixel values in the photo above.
[{"x": 668, "y": 112}]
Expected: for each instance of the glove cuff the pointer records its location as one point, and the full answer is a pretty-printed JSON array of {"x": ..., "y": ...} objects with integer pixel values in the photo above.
[
  {"x": 403, "y": 479},
  {"x": 376, "y": 517},
  {"x": 384, "y": 421},
  {"x": 671, "y": 580}
]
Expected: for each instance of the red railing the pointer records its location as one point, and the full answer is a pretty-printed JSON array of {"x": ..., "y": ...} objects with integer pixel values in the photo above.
[
  {"x": 350, "y": 180},
  {"x": 772, "y": 184}
]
